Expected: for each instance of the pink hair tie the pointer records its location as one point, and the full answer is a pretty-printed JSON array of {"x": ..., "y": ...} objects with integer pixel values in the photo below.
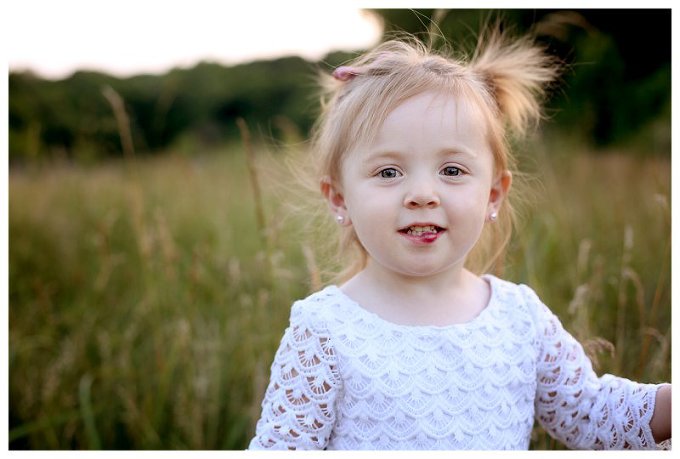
[{"x": 345, "y": 73}]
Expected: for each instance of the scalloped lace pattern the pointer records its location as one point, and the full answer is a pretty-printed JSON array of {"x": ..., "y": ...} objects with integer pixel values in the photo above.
[{"x": 343, "y": 378}]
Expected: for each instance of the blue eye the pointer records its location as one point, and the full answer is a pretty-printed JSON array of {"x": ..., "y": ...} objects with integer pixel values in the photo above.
[
  {"x": 389, "y": 173},
  {"x": 451, "y": 171}
]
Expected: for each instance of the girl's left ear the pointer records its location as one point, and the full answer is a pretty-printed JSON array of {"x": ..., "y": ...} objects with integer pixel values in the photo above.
[{"x": 499, "y": 190}]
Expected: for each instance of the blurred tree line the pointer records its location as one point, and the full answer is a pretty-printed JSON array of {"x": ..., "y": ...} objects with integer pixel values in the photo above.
[{"x": 617, "y": 88}]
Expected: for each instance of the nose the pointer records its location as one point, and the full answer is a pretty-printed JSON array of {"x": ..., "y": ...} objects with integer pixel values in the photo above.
[{"x": 421, "y": 194}]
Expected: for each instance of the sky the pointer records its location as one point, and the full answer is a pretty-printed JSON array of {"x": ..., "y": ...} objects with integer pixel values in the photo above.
[{"x": 127, "y": 37}]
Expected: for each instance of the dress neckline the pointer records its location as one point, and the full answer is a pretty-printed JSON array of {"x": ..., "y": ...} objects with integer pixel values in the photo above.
[{"x": 479, "y": 318}]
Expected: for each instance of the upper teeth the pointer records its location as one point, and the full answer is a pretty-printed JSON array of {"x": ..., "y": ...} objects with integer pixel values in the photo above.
[{"x": 418, "y": 230}]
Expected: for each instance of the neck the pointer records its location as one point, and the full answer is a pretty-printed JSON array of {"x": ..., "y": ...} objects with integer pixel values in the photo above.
[
  {"x": 450, "y": 297},
  {"x": 404, "y": 284}
]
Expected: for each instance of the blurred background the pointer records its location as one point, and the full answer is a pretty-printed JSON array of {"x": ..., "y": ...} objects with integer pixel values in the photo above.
[{"x": 154, "y": 242}]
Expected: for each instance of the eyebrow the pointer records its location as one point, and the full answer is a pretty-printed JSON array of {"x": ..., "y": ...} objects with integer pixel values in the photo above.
[
  {"x": 458, "y": 151},
  {"x": 397, "y": 154},
  {"x": 371, "y": 156}
]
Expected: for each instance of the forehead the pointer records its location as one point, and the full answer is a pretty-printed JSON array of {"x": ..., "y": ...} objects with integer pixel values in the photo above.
[
  {"x": 433, "y": 110},
  {"x": 427, "y": 117}
]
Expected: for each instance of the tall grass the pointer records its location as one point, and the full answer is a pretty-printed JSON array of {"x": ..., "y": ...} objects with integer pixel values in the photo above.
[
  {"x": 145, "y": 308},
  {"x": 596, "y": 246}
]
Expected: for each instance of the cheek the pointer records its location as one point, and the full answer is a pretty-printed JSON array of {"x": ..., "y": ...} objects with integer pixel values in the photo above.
[
  {"x": 362, "y": 199},
  {"x": 470, "y": 209},
  {"x": 366, "y": 212},
  {"x": 474, "y": 198}
]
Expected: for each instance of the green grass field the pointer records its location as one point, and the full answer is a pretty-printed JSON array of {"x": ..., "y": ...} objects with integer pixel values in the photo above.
[{"x": 146, "y": 303}]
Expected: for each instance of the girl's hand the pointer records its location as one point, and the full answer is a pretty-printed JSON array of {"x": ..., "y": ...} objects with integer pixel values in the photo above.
[{"x": 661, "y": 419}]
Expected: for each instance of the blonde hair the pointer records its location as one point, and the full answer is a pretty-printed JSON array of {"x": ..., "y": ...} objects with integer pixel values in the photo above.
[{"x": 505, "y": 80}]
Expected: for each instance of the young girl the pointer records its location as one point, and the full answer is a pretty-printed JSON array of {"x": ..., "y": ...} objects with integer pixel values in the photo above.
[{"x": 414, "y": 351}]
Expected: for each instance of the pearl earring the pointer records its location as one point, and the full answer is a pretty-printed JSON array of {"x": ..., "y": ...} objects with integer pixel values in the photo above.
[
  {"x": 340, "y": 219},
  {"x": 493, "y": 216}
]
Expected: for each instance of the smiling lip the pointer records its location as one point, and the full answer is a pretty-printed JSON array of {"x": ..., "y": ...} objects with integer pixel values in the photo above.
[{"x": 422, "y": 233}]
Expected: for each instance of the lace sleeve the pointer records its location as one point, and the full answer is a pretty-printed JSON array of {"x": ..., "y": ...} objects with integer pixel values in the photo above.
[
  {"x": 578, "y": 408},
  {"x": 298, "y": 407}
]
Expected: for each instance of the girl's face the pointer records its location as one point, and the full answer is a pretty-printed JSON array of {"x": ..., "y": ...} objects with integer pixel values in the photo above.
[{"x": 418, "y": 195}]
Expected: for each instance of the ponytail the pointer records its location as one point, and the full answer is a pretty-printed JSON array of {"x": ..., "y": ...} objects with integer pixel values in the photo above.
[{"x": 517, "y": 72}]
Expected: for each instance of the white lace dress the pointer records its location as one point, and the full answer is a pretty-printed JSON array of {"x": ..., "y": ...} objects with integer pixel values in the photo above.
[{"x": 343, "y": 378}]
